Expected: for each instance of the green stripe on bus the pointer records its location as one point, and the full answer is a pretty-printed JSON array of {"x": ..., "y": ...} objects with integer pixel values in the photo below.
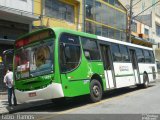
[
  {"x": 124, "y": 75},
  {"x": 147, "y": 73}
]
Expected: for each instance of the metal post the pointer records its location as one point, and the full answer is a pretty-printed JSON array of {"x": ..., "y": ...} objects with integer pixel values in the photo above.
[
  {"x": 42, "y": 12},
  {"x": 130, "y": 21},
  {"x": 83, "y": 15}
]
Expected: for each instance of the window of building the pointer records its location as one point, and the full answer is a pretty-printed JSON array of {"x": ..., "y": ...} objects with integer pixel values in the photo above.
[
  {"x": 111, "y": 17},
  {"x": 116, "y": 53},
  {"x": 134, "y": 27},
  {"x": 146, "y": 31},
  {"x": 158, "y": 30},
  {"x": 98, "y": 30},
  {"x": 111, "y": 2},
  {"x": 118, "y": 5},
  {"x": 90, "y": 27},
  {"x": 123, "y": 36},
  {"x": 96, "y": 11},
  {"x": 111, "y": 33},
  {"x": 124, "y": 53},
  {"x": 90, "y": 49},
  {"x": 60, "y": 10},
  {"x": 140, "y": 56},
  {"x": 97, "y": 15},
  {"x": 117, "y": 35},
  {"x": 105, "y": 31},
  {"x": 69, "y": 52},
  {"x": 89, "y": 9},
  {"x": 122, "y": 21}
]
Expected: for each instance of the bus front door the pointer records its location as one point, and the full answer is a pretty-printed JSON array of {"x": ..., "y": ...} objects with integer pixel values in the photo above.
[
  {"x": 135, "y": 66},
  {"x": 108, "y": 66}
]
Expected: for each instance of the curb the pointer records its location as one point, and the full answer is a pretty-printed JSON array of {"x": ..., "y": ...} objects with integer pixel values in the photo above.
[{"x": 3, "y": 93}]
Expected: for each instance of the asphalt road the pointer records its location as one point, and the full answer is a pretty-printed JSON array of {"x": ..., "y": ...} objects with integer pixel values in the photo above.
[{"x": 119, "y": 102}]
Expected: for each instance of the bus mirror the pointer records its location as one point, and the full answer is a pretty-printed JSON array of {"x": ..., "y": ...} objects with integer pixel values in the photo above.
[
  {"x": 67, "y": 52},
  {"x": 8, "y": 57}
]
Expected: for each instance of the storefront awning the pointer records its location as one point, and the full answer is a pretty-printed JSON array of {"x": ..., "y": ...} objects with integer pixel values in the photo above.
[{"x": 143, "y": 42}]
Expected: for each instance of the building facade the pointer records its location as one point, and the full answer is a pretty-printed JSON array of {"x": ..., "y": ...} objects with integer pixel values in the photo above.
[
  {"x": 148, "y": 12},
  {"x": 106, "y": 18},
  {"x": 59, "y": 13},
  {"x": 140, "y": 33},
  {"x": 15, "y": 19}
]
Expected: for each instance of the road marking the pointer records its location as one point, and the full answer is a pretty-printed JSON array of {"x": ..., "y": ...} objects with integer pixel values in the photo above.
[{"x": 94, "y": 104}]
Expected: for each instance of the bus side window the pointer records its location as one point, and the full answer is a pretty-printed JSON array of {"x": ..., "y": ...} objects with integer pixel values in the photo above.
[
  {"x": 140, "y": 56},
  {"x": 124, "y": 53},
  {"x": 90, "y": 49},
  {"x": 152, "y": 56},
  {"x": 147, "y": 56},
  {"x": 116, "y": 53},
  {"x": 69, "y": 52}
]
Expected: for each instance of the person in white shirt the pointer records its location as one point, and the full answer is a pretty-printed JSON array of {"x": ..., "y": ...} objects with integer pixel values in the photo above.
[{"x": 8, "y": 80}]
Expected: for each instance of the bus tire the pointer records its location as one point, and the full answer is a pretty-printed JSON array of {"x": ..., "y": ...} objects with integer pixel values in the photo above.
[
  {"x": 145, "y": 81},
  {"x": 95, "y": 90}
]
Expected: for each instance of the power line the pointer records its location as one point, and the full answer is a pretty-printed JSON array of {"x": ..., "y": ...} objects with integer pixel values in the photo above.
[
  {"x": 146, "y": 9},
  {"x": 136, "y": 3}
]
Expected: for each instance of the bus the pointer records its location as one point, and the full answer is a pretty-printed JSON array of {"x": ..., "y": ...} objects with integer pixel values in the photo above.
[{"x": 59, "y": 63}]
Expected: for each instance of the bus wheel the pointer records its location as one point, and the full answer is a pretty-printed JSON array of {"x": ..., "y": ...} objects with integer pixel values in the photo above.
[
  {"x": 95, "y": 91},
  {"x": 146, "y": 81}
]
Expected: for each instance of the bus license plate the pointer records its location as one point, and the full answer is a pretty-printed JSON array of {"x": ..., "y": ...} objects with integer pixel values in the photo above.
[{"x": 32, "y": 94}]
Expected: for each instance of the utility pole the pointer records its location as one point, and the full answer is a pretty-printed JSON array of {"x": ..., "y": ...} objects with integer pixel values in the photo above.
[
  {"x": 83, "y": 15},
  {"x": 130, "y": 21},
  {"x": 42, "y": 13}
]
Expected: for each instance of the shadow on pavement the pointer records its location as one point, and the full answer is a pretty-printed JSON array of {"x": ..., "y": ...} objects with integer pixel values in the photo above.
[{"x": 81, "y": 101}]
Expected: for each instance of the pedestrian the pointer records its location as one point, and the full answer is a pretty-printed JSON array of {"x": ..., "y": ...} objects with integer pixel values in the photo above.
[{"x": 8, "y": 80}]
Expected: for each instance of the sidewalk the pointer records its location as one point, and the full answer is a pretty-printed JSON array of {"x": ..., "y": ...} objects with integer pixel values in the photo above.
[
  {"x": 5, "y": 109},
  {"x": 3, "y": 102}
]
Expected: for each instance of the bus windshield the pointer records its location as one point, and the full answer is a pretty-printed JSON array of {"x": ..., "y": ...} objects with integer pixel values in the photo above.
[{"x": 34, "y": 60}]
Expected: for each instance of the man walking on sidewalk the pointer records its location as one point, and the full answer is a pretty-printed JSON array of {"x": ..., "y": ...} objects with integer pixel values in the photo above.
[{"x": 8, "y": 80}]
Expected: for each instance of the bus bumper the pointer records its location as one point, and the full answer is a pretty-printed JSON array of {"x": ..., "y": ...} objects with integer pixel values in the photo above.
[{"x": 52, "y": 91}]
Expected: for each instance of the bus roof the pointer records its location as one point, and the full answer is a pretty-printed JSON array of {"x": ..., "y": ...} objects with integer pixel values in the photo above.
[
  {"x": 122, "y": 42},
  {"x": 61, "y": 30}
]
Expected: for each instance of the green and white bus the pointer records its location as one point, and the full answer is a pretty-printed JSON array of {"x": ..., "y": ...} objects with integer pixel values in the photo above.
[{"x": 60, "y": 63}]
